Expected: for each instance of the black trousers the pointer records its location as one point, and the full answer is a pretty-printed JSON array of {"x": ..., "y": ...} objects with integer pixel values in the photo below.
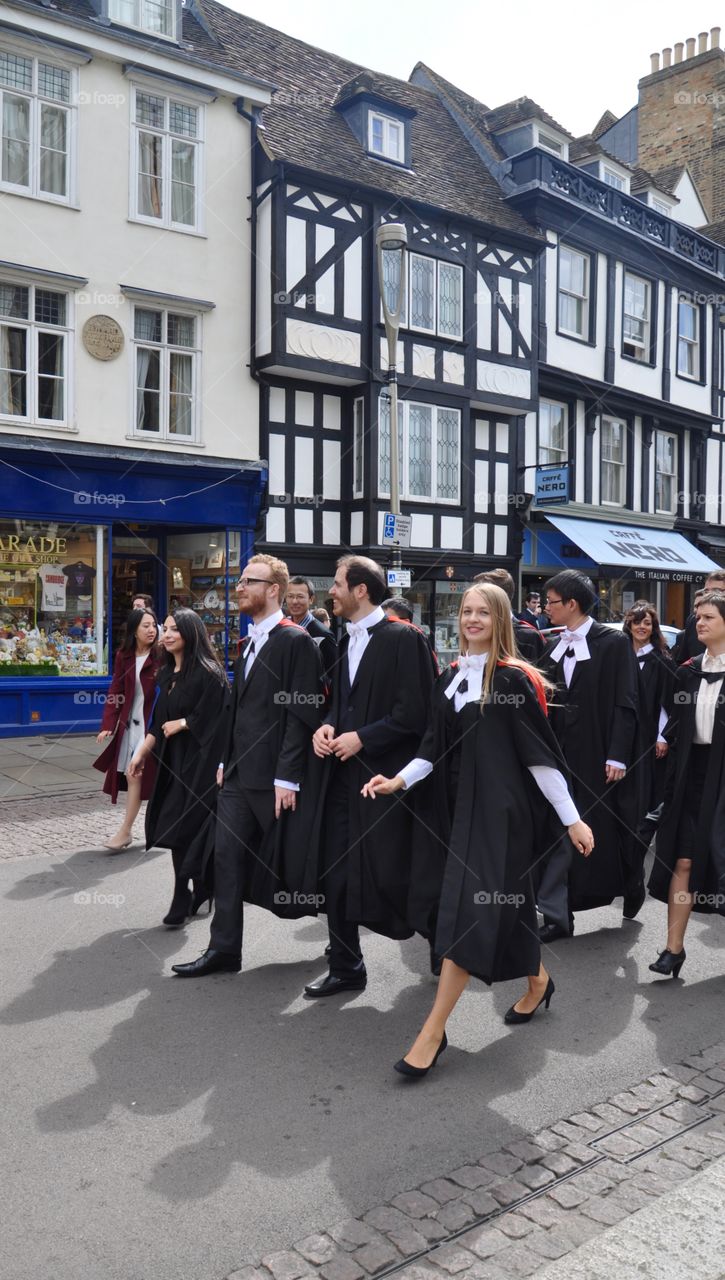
[
  {"x": 243, "y": 819},
  {"x": 345, "y": 953}
]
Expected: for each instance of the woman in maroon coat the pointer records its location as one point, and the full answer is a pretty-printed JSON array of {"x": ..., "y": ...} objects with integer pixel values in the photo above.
[{"x": 126, "y": 715}]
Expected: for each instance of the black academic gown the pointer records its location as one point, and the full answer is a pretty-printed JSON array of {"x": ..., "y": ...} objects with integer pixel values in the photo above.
[
  {"x": 281, "y": 702},
  {"x": 183, "y": 800},
  {"x": 656, "y": 688},
  {"x": 595, "y": 720},
  {"x": 388, "y": 707},
  {"x": 707, "y": 876},
  {"x": 529, "y": 640},
  {"x": 687, "y": 644},
  {"x": 491, "y": 823},
  {"x": 326, "y": 644}
]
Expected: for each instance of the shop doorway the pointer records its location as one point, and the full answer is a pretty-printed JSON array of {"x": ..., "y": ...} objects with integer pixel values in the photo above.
[{"x": 132, "y": 575}]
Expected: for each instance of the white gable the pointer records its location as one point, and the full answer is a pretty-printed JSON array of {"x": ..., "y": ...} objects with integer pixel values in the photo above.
[{"x": 690, "y": 209}]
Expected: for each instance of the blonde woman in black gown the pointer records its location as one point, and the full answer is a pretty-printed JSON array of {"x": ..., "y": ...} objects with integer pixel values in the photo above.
[{"x": 495, "y": 763}]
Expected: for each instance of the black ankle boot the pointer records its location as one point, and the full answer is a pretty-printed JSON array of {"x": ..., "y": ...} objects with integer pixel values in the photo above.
[{"x": 178, "y": 912}]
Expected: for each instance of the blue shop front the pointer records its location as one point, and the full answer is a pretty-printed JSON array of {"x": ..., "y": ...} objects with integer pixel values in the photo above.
[{"x": 83, "y": 530}]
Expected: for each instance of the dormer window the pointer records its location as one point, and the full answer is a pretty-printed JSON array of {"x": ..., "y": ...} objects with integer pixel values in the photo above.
[
  {"x": 550, "y": 144},
  {"x": 660, "y": 206},
  {"x": 386, "y": 137},
  {"x": 155, "y": 16},
  {"x": 614, "y": 179}
]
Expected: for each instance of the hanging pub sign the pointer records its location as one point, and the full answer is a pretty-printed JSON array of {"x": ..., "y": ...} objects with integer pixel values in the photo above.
[{"x": 551, "y": 484}]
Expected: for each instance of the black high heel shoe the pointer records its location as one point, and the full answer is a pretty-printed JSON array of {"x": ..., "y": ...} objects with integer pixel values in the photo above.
[
  {"x": 198, "y": 898},
  {"x": 417, "y": 1073},
  {"x": 512, "y": 1015},
  {"x": 178, "y": 912},
  {"x": 669, "y": 963}
]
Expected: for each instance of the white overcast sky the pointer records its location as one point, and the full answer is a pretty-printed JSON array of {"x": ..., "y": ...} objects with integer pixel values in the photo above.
[{"x": 574, "y": 59}]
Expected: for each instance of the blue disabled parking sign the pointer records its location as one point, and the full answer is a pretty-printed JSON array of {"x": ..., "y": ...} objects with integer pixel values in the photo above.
[{"x": 389, "y": 527}]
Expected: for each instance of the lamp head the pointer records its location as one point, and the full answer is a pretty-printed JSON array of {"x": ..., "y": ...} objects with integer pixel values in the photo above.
[{"x": 391, "y": 235}]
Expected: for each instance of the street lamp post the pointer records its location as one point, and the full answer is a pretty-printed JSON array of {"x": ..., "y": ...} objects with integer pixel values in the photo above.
[{"x": 391, "y": 239}]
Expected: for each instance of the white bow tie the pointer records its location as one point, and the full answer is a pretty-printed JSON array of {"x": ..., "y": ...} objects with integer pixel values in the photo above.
[
  {"x": 472, "y": 661},
  {"x": 255, "y": 634},
  {"x": 356, "y": 630},
  {"x": 466, "y": 663},
  {"x": 573, "y": 637},
  {"x": 571, "y": 640}
]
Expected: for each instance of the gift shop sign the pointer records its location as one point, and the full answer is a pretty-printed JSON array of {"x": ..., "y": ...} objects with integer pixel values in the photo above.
[{"x": 32, "y": 550}]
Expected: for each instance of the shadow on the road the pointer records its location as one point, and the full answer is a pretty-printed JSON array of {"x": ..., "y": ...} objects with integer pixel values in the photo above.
[
  {"x": 282, "y": 1086},
  {"x": 84, "y": 869}
]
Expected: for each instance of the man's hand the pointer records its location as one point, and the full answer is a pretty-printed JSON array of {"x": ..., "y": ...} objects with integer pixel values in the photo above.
[
  {"x": 582, "y": 837},
  {"x": 347, "y": 745},
  {"x": 220, "y": 776},
  {"x": 613, "y": 774},
  {"x": 322, "y": 739},
  {"x": 284, "y": 799},
  {"x": 661, "y": 749}
]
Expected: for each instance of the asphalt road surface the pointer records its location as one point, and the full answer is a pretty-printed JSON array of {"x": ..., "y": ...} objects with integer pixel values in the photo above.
[{"x": 155, "y": 1129}]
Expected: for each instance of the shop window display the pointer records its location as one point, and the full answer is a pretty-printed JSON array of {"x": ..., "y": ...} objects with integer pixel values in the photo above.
[
  {"x": 51, "y": 603},
  {"x": 199, "y": 578}
]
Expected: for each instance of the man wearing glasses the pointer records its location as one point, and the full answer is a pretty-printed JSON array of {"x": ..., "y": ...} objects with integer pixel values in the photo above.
[
  {"x": 594, "y": 716},
  {"x": 263, "y": 852}
]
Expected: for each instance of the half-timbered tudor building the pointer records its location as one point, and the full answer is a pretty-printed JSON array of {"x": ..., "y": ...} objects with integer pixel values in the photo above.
[
  {"x": 629, "y": 353},
  {"x": 339, "y": 151}
]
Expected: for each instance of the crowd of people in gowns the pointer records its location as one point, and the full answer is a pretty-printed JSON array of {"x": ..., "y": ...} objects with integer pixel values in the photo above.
[{"x": 482, "y": 807}]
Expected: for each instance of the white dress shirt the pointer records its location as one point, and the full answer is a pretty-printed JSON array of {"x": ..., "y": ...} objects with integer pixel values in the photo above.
[
  {"x": 359, "y": 633},
  {"x": 259, "y": 634},
  {"x": 707, "y": 696},
  {"x": 551, "y": 782}
]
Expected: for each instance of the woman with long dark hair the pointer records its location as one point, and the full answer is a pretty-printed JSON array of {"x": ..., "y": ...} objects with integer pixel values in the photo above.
[
  {"x": 185, "y": 738},
  {"x": 493, "y": 756},
  {"x": 125, "y": 717},
  {"x": 689, "y": 867},
  {"x": 656, "y": 687}
]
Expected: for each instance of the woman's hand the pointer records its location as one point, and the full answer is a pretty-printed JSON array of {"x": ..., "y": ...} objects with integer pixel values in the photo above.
[
  {"x": 170, "y": 727},
  {"x": 381, "y": 786},
  {"x": 582, "y": 837},
  {"x": 135, "y": 768},
  {"x": 105, "y": 733}
]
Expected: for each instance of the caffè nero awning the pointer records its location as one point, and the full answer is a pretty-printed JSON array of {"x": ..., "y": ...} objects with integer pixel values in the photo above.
[{"x": 636, "y": 552}]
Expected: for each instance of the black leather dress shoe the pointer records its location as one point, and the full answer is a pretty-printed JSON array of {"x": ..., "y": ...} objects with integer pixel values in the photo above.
[
  {"x": 552, "y": 932},
  {"x": 209, "y": 962},
  {"x": 633, "y": 902},
  {"x": 330, "y": 985}
]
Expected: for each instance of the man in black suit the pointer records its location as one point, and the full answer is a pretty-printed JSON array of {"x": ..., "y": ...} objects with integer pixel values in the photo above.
[
  {"x": 594, "y": 716},
  {"x": 687, "y": 644},
  {"x": 300, "y": 602},
  {"x": 379, "y": 712},
  {"x": 275, "y": 707},
  {"x": 531, "y": 612},
  {"x": 529, "y": 639}
]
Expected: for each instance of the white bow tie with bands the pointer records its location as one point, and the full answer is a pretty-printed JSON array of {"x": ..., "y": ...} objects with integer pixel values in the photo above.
[
  {"x": 574, "y": 641},
  {"x": 467, "y": 664}
]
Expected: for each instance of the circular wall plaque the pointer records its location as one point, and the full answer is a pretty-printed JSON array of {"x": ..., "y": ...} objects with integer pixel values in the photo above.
[{"x": 103, "y": 337}]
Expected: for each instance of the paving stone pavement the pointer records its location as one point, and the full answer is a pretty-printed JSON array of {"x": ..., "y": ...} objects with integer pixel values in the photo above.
[
  {"x": 519, "y": 1210},
  {"x": 52, "y": 824}
]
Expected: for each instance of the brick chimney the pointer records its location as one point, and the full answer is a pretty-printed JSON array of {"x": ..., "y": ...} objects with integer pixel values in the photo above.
[{"x": 681, "y": 115}]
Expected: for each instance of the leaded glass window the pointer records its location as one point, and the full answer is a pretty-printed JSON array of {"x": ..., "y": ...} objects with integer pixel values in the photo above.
[
  {"x": 35, "y": 131},
  {"x": 429, "y": 442}
]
